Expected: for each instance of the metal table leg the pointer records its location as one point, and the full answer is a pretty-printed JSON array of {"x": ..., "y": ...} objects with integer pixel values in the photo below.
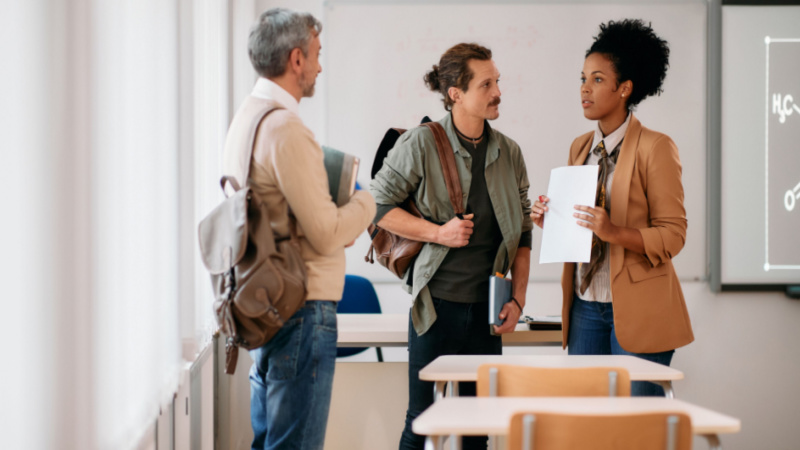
[
  {"x": 438, "y": 390},
  {"x": 434, "y": 442},
  {"x": 430, "y": 442},
  {"x": 669, "y": 392},
  {"x": 452, "y": 387},
  {"x": 455, "y": 442},
  {"x": 452, "y": 391}
]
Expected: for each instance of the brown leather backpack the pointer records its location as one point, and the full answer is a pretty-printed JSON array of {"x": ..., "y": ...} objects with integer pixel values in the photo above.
[
  {"x": 259, "y": 281},
  {"x": 395, "y": 252}
]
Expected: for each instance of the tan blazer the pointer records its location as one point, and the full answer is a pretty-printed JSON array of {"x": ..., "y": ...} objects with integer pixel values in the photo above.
[{"x": 647, "y": 193}]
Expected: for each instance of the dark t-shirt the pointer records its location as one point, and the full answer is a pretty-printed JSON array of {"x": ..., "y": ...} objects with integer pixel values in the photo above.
[{"x": 464, "y": 274}]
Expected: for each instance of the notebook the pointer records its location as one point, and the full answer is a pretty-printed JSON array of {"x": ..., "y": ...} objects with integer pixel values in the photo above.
[
  {"x": 499, "y": 295},
  {"x": 342, "y": 169}
]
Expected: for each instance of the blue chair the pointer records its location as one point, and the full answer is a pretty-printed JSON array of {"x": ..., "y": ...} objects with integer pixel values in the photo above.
[{"x": 359, "y": 297}]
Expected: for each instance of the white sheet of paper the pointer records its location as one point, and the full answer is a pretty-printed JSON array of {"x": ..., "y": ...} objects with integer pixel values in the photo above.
[{"x": 563, "y": 240}]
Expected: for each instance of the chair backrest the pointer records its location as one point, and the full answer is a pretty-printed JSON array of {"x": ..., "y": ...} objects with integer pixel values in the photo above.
[
  {"x": 359, "y": 296},
  {"x": 505, "y": 380},
  {"x": 643, "y": 431}
]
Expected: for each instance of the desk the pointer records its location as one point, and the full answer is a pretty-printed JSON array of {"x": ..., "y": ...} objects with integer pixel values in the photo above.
[
  {"x": 364, "y": 412},
  {"x": 476, "y": 416},
  {"x": 391, "y": 330},
  {"x": 455, "y": 368}
]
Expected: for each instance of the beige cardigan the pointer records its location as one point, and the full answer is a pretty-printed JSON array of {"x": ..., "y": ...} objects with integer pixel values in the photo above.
[{"x": 287, "y": 170}]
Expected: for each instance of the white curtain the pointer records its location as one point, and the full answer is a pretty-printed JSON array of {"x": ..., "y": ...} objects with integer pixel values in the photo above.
[
  {"x": 210, "y": 70},
  {"x": 137, "y": 351},
  {"x": 112, "y": 121},
  {"x": 27, "y": 226}
]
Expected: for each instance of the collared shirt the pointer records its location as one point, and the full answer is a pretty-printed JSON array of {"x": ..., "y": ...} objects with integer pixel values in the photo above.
[
  {"x": 269, "y": 90},
  {"x": 599, "y": 289},
  {"x": 412, "y": 169},
  {"x": 611, "y": 141}
]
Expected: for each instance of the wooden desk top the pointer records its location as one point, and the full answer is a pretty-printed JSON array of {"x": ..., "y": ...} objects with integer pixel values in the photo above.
[
  {"x": 391, "y": 330},
  {"x": 472, "y": 416},
  {"x": 465, "y": 367}
]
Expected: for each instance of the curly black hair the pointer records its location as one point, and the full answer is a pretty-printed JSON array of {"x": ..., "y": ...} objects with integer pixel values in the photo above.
[{"x": 637, "y": 54}]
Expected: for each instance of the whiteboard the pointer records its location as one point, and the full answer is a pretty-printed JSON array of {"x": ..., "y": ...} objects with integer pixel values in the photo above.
[{"x": 375, "y": 55}]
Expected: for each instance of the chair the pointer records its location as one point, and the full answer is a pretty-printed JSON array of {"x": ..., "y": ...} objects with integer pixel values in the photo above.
[
  {"x": 359, "y": 297},
  {"x": 643, "y": 431},
  {"x": 507, "y": 380}
]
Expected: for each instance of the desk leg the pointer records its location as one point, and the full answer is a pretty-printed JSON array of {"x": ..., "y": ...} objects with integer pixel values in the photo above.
[
  {"x": 452, "y": 387},
  {"x": 452, "y": 391},
  {"x": 713, "y": 441},
  {"x": 434, "y": 443},
  {"x": 438, "y": 390},
  {"x": 430, "y": 443},
  {"x": 667, "y": 385}
]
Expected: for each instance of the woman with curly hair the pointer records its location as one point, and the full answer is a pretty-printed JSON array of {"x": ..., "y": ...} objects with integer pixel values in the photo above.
[{"x": 627, "y": 299}]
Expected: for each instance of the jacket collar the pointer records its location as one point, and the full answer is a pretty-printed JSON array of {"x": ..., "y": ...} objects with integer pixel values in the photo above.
[{"x": 612, "y": 139}]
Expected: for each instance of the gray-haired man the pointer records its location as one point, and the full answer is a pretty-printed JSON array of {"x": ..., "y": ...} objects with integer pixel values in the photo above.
[{"x": 292, "y": 375}]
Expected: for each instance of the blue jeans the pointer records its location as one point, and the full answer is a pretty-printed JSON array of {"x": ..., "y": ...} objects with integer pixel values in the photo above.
[
  {"x": 291, "y": 380},
  {"x": 591, "y": 332},
  {"x": 460, "y": 329}
]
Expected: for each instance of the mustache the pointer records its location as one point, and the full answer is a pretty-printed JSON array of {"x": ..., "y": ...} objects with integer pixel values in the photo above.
[{"x": 495, "y": 102}]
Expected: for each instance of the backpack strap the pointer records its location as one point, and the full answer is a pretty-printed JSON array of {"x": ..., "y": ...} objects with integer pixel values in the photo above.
[
  {"x": 258, "y": 117},
  {"x": 261, "y": 112},
  {"x": 257, "y": 111},
  {"x": 448, "y": 160}
]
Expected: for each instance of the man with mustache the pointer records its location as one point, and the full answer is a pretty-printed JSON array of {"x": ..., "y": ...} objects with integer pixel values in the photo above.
[{"x": 449, "y": 280}]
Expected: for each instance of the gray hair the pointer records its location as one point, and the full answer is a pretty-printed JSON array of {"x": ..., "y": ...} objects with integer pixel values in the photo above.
[{"x": 276, "y": 33}]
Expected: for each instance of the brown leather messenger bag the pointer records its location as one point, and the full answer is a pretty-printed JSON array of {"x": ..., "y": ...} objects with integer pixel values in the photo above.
[{"x": 395, "y": 252}]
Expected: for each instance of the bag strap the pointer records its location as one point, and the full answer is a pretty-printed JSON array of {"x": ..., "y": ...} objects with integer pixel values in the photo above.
[
  {"x": 260, "y": 114},
  {"x": 448, "y": 160}
]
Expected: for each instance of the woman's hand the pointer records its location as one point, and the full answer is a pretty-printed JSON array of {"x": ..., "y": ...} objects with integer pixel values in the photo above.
[
  {"x": 538, "y": 209},
  {"x": 596, "y": 220}
]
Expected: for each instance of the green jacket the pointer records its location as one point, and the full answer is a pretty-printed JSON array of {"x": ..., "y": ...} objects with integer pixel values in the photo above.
[{"x": 412, "y": 167}]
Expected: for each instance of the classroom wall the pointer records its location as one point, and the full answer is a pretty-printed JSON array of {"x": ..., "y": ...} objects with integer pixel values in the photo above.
[{"x": 744, "y": 361}]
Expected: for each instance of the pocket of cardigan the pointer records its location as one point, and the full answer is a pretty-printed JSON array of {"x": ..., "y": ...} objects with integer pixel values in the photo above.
[{"x": 642, "y": 271}]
